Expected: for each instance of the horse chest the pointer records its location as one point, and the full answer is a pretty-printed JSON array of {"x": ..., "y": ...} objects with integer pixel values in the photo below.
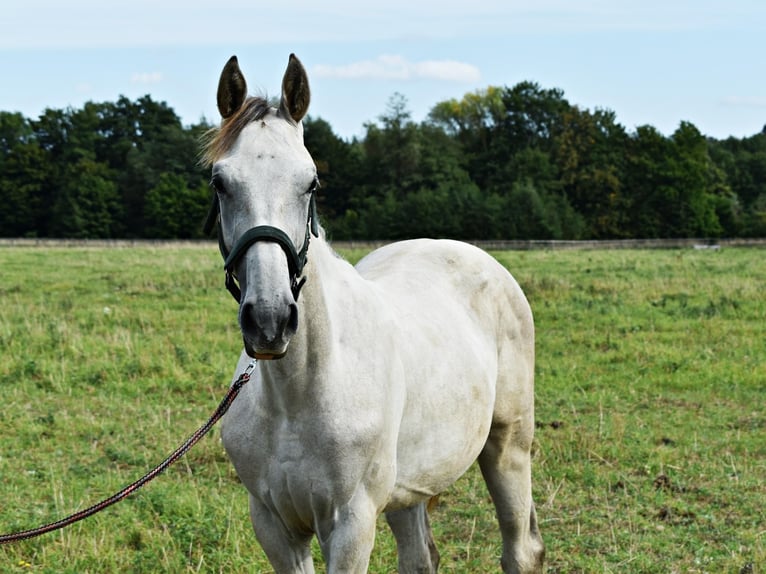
[{"x": 305, "y": 463}]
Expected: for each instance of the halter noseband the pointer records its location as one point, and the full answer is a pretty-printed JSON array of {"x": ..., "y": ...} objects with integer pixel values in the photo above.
[{"x": 296, "y": 260}]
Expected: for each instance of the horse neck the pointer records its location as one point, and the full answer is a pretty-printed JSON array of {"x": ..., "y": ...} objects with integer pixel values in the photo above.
[{"x": 328, "y": 279}]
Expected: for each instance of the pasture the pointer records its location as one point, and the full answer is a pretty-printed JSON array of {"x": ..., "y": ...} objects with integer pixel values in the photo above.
[{"x": 651, "y": 413}]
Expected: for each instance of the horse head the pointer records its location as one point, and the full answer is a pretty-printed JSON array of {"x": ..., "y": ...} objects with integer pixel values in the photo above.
[{"x": 264, "y": 181}]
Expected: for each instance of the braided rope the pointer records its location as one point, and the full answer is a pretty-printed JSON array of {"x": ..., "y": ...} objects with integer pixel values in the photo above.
[{"x": 133, "y": 487}]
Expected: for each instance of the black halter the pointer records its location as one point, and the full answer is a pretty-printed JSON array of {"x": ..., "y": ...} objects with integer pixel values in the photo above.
[{"x": 296, "y": 260}]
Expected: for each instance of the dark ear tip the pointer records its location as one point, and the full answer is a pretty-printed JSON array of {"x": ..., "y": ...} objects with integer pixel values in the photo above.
[{"x": 294, "y": 60}]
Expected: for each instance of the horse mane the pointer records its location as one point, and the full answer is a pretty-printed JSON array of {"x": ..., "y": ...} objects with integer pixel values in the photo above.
[{"x": 218, "y": 141}]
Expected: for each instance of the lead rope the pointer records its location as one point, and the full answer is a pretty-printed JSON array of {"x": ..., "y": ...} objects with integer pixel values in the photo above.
[{"x": 159, "y": 469}]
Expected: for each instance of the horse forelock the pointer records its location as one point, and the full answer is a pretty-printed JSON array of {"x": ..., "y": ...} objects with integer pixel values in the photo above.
[{"x": 220, "y": 140}]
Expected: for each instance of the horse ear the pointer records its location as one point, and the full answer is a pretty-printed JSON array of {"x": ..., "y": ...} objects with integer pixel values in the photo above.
[
  {"x": 232, "y": 89},
  {"x": 295, "y": 90}
]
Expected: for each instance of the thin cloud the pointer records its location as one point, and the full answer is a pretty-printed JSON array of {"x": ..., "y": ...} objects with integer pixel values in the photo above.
[
  {"x": 146, "y": 78},
  {"x": 94, "y": 23},
  {"x": 394, "y": 67},
  {"x": 744, "y": 101}
]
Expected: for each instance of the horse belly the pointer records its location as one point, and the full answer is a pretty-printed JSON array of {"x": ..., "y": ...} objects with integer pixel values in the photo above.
[{"x": 445, "y": 423}]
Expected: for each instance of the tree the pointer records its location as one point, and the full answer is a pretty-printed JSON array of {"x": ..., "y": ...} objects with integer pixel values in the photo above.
[
  {"x": 514, "y": 161},
  {"x": 696, "y": 201},
  {"x": 175, "y": 211},
  {"x": 87, "y": 206},
  {"x": 471, "y": 120},
  {"x": 391, "y": 152},
  {"x": 589, "y": 151},
  {"x": 23, "y": 176},
  {"x": 161, "y": 149},
  {"x": 669, "y": 184},
  {"x": 755, "y": 219},
  {"x": 531, "y": 214},
  {"x": 530, "y": 119},
  {"x": 337, "y": 163},
  {"x": 408, "y": 175},
  {"x": 647, "y": 182},
  {"x": 14, "y": 131},
  {"x": 474, "y": 115},
  {"x": 532, "y": 115}
]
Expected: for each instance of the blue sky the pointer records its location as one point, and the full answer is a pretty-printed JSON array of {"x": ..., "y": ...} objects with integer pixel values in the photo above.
[{"x": 655, "y": 62}]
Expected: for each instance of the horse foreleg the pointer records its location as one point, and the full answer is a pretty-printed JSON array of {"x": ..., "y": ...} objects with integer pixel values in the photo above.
[
  {"x": 347, "y": 539},
  {"x": 507, "y": 470},
  {"x": 288, "y": 553},
  {"x": 414, "y": 540}
]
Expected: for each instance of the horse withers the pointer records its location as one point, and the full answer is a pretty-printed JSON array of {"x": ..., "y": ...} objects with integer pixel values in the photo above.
[{"x": 377, "y": 385}]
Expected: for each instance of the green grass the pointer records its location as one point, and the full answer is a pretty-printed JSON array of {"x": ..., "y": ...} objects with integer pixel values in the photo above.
[{"x": 651, "y": 413}]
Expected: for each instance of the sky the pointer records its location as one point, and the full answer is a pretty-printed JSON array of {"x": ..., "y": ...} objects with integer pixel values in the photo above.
[{"x": 656, "y": 62}]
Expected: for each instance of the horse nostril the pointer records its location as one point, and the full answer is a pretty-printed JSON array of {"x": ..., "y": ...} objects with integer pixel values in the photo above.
[
  {"x": 247, "y": 318},
  {"x": 292, "y": 323}
]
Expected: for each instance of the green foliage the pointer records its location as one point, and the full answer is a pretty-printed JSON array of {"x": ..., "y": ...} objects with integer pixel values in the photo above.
[
  {"x": 22, "y": 188},
  {"x": 87, "y": 206},
  {"x": 86, "y": 173},
  {"x": 337, "y": 167},
  {"x": 500, "y": 163},
  {"x": 172, "y": 210},
  {"x": 590, "y": 152},
  {"x": 649, "y": 451}
]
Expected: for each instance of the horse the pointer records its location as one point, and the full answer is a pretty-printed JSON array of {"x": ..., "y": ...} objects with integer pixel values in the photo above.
[{"x": 375, "y": 387}]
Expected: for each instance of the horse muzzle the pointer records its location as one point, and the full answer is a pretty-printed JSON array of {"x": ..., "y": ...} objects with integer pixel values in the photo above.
[{"x": 267, "y": 328}]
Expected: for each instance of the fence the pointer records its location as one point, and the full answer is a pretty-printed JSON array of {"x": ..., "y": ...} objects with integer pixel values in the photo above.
[{"x": 500, "y": 245}]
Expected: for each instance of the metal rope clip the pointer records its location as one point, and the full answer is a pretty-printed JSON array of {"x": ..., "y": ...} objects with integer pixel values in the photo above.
[{"x": 250, "y": 367}]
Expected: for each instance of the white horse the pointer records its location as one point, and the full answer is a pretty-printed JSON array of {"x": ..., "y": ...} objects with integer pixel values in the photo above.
[{"x": 392, "y": 376}]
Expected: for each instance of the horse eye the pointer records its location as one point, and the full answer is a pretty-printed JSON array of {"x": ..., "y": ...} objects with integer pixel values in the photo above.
[
  {"x": 314, "y": 186},
  {"x": 217, "y": 184}
]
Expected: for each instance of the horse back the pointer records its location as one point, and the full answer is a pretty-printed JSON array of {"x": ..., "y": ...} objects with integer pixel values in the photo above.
[{"x": 454, "y": 278}]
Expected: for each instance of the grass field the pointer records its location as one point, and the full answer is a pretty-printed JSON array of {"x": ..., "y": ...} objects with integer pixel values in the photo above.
[{"x": 651, "y": 413}]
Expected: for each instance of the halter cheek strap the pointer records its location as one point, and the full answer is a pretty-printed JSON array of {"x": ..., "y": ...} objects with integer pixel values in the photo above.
[{"x": 296, "y": 260}]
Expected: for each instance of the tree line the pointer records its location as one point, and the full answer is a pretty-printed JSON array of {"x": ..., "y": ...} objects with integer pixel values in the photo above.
[{"x": 515, "y": 162}]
